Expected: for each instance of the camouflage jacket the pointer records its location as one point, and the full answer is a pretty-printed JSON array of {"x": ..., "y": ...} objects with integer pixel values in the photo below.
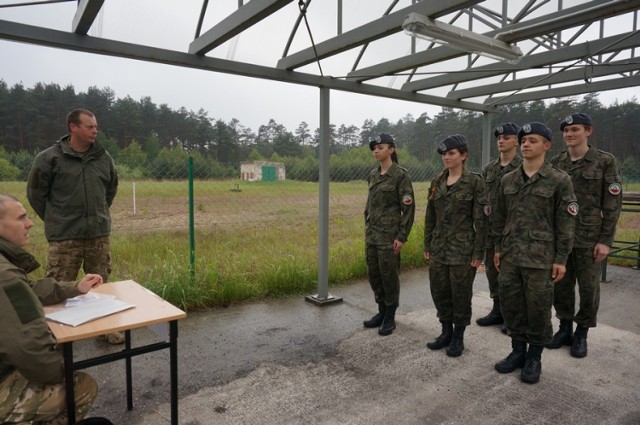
[
  {"x": 390, "y": 208},
  {"x": 72, "y": 193},
  {"x": 492, "y": 174},
  {"x": 534, "y": 220},
  {"x": 596, "y": 183},
  {"x": 26, "y": 344},
  {"x": 454, "y": 225}
]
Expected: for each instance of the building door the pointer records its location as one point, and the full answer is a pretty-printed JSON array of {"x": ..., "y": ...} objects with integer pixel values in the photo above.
[{"x": 268, "y": 173}]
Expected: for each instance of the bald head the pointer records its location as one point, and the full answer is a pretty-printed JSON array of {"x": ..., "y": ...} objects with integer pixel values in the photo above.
[
  {"x": 14, "y": 223},
  {"x": 4, "y": 198}
]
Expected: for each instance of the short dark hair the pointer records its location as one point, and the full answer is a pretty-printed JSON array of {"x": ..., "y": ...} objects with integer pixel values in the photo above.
[
  {"x": 3, "y": 200},
  {"x": 73, "y": 117}
]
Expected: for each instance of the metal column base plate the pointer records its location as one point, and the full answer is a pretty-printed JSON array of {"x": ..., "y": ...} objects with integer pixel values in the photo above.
[{"x": 330, "y": 299}]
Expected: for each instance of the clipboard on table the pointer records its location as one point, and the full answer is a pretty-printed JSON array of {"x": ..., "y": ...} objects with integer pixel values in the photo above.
[{"x": 80, "y": 314}]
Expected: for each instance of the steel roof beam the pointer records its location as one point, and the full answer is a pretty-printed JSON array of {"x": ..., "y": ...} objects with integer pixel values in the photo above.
[
  {"x": 549, "y": 23},
  {"x": 85, "y": 15},
  {"x": 588, "y": 71},
  {"x": 371, "y": 31},
  {"x": 243, "y": 18},
  {"x": 563, "y": 54}
]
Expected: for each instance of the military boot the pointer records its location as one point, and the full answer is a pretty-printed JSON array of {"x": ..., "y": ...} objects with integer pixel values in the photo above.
[
  {"x": 579, "y": 346},
  {"x": 494, "y": 317},
  {"x": 376, "y": 320},
  {"x": 564, "y": 336},
  {"x": 515, "y": 359},
  {"x": 533, "y": 365},
  {"x": 389, "y": 321},
  {"x": 456, "y": 346},
  {"x": 444, "y": 339}
]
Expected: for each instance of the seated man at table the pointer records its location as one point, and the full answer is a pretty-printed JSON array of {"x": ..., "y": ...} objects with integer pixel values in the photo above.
[{"x": 31, "y": 367}]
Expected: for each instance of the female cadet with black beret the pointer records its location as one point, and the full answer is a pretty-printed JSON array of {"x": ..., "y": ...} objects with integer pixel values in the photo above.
[
  {"x": 454, "y": 236},
  {"x": 388, "y": 218}
]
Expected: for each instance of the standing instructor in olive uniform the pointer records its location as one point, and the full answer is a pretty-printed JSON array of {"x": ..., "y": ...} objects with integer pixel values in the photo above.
[
  {"x": 596, "y": 182},
  {"x": 388, "y": 217}
]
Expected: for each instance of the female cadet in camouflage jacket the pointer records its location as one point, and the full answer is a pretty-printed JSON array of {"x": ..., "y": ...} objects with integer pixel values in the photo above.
[
  {"x": 454, "y": 242},
  {"x": 388, "y": 218}
]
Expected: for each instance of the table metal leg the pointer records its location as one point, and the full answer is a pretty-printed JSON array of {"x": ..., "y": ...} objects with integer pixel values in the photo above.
[
  {"x": 173, "y": 361},
  {"x": 67, "y": 352},
  {"x": 127, "y": 361}
]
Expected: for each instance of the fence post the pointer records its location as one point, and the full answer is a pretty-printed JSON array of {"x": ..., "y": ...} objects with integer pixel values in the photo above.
[{"x": 192, "y": 236}]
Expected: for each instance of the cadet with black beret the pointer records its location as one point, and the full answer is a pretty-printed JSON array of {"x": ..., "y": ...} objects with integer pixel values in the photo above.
[
  {"x": 454, "y": 241},
  {"x": 532, "y": 230},
  {"x": 388, "y": 217},
  {"x": 597, "y": 185},
  {"x": 507, "y": 141}
]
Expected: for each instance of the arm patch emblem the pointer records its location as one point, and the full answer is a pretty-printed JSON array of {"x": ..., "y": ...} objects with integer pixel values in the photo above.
[
  {"x": 572, "y": 208},
  {"x": 615, "y": 189},
  {"x": 487, "y": 210},
  {"x": 407, "y": 199},
  {"x": 22, "y": 300}
]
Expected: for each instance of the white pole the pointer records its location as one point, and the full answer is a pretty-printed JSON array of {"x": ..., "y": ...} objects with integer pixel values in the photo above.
[{"x": 134, "y": 198}]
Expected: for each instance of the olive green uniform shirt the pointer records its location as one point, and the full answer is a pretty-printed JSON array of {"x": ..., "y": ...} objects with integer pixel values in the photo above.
[
  {"x": 597, "y": 185},
  {"x": 493, "y": 173}
]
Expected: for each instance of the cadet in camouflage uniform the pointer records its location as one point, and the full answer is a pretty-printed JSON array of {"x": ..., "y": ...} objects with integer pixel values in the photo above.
[
  {"x": 507, "y": 140},
  {"x": 596, "y": 182},
  {"x": 388, "y": 217},
  {"x": 31, "y": 367},
  {"x": 454, "y": 241},
  {"x": 71, "y": 187},
  {"x": 532, "y": 229}
]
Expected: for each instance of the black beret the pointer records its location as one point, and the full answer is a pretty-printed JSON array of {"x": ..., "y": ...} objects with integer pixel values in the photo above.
[
  {"x": 506, "y": 128},
  {"x": 380, "y": 139},
  {"x": 452, "y": 142},
  {"x": 577, "y": 118},
  {"x": 534, "y": 128}
]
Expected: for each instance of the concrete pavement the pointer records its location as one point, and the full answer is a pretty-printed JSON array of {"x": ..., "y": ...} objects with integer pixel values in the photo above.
[{"x": 291, "y": 362}]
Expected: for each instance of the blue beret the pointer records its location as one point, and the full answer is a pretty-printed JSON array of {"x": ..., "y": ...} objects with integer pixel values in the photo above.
[
  {"x": 506, "y": 128},
  {"x": 452, "y": 142},
  {"x": 534, "y": 128},
  {"x": 577, "y": 118},
  {"x": 382, "y": 138}
]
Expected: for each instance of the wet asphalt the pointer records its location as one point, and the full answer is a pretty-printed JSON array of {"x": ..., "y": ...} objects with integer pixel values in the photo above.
[{"x": 289, "y": 361}]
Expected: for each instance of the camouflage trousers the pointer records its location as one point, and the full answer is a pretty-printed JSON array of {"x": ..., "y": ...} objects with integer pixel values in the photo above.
[
  {"x": 383, "y": 268},
  {"x": 38, "y": 404},
  {"x": 580, "y": 268},
  {"x": 451, "y": 289},
  {"x": 492, "y": 274},
  {"x": 526, "y": 297},
  {"x": 65, "y": 258}
]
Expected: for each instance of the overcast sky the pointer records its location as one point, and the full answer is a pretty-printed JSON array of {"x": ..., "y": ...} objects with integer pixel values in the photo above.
[{"x": 252, "y": 101}]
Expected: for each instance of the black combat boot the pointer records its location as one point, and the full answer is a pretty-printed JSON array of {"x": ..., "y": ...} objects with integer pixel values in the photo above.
[
  {"x": 456, "y": 346},
  {"x": 376, "y": 320},
  {"x": 515, "y": 359},
  {"x": 533, "y": 365},
  {"x": 564, "y": 336},
  {"x": 444, "y": 339},
  {"x": 389, "y": 321},
  {"x": 494, "y": 317},
  {"x": 579, "y": 346}
]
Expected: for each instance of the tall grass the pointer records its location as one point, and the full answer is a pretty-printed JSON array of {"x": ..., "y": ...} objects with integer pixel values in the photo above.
[{"x": 257, "y": 243}]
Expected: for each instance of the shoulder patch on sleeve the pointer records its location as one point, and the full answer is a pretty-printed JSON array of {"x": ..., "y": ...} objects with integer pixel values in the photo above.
[
  {"x": 572, "y": 208},
  {"x": 615, "y": 188},
  {"x": 487, "y": 210},
  {"x": 407, "y": 199},
  {"x": 21, "y": 298}
]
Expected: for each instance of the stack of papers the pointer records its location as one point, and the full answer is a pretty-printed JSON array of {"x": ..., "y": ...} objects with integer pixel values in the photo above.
[{"x": 88, "y": 307}]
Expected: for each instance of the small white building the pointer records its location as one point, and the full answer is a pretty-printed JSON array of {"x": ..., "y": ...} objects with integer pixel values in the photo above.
[{"x": 262, "y": 171}]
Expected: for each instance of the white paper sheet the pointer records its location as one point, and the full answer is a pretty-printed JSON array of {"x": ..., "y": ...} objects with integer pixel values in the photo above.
[{"x": 83, "y": 313}]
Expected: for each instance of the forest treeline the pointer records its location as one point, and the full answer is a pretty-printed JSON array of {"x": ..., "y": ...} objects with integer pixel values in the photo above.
[{"x": 154, "y": 141}]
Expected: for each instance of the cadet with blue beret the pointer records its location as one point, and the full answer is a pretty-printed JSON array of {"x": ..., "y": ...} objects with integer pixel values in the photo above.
[
  {"x": 507, "y": 141},
  {"x": 532, "y": 230},
  {"x": 454, "y": 241},
  {"x": 388, "y": 217},
  {"x": 597, "y": 185}
]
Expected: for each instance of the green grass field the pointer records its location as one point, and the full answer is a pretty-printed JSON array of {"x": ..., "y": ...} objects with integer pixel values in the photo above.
[{"x": 258, "y": 242}]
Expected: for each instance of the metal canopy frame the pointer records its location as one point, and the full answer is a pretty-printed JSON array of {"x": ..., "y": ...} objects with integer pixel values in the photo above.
[{"x": 571, "y": 48}]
